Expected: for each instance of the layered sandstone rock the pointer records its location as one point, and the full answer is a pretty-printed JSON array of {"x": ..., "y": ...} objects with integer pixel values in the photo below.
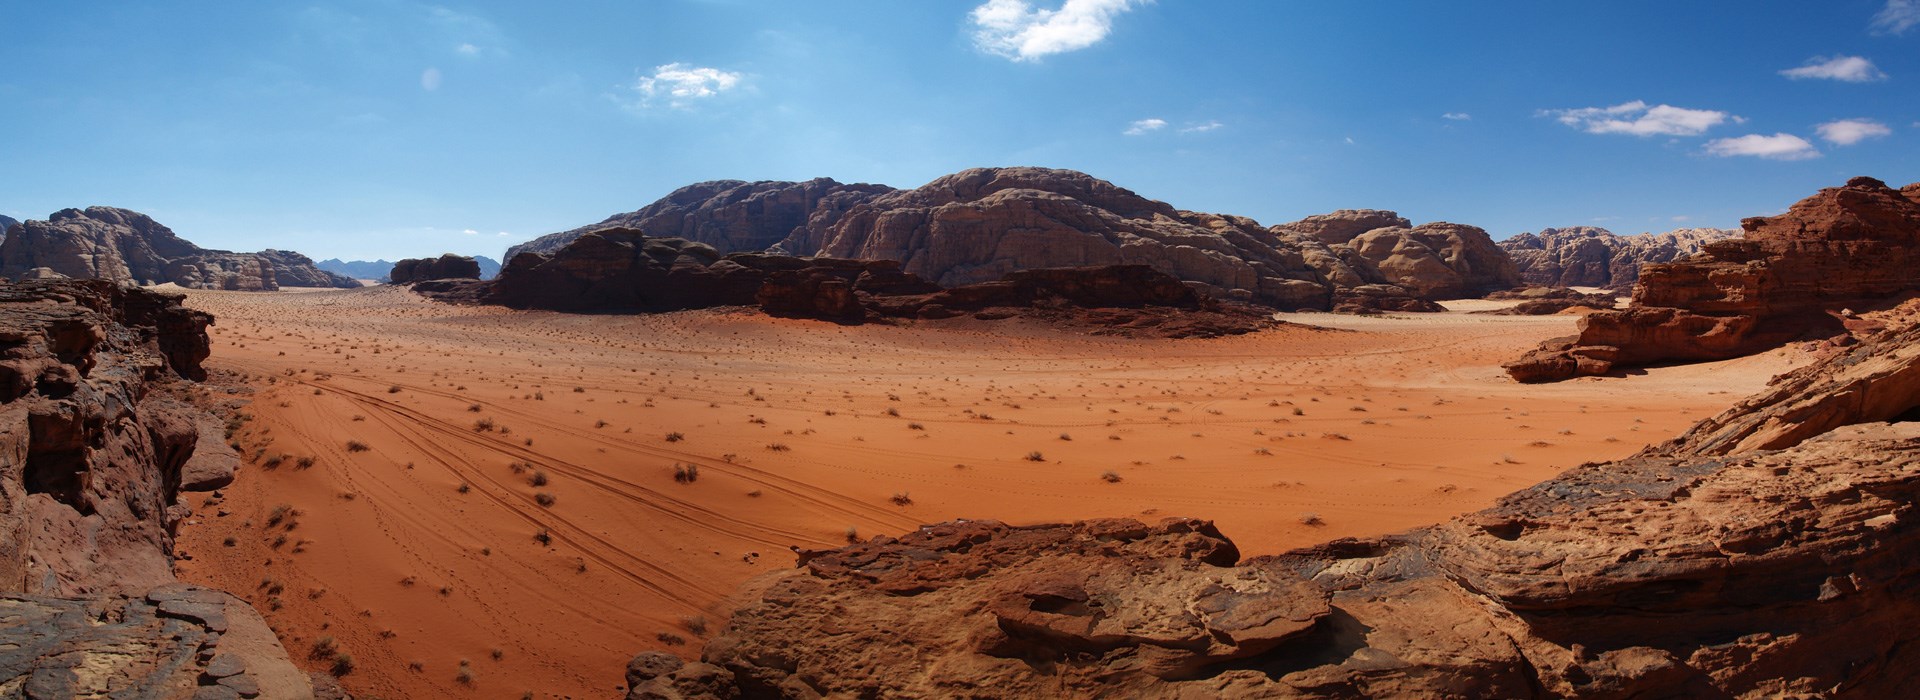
[
  {"x": 292, "y": 269},
  {"x": 728, "y": 215},
  {"x": 1587, "y": 256},
  {"x": 1766, "y": 553},
  {"x": 94, "y": 455},
  {"x": 445, "y": 267},
  {"x": 1792, "y": 276},
  {"x": 979, "y": 225},
  {"x": 122, "y": 245}
]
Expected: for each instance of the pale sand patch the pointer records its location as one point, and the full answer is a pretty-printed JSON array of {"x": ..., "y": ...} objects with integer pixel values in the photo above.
[{"x": 1401, "y": 421}]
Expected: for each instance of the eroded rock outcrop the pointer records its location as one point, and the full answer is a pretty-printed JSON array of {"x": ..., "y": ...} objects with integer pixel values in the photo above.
[
  {"x": 1792, "y": 276},
  {"x": 7, "y": 223},
  {"x": 446, "y": 267},
  {"x": 127, "y": 246},
  {"x": 979, "y": 225},
  {"x": 731, "y": 216},
  {"x": 1588, "y": 256},
  {"x": 1768, "y": 552}
]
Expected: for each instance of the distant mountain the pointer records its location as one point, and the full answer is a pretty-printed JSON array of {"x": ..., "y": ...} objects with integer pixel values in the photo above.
[
  {"x": 1586, "y": 256},
  {"x": 379, "y": 270},
  {"x": 119, "y": 244},
  {"x": 7, "y": 222}
]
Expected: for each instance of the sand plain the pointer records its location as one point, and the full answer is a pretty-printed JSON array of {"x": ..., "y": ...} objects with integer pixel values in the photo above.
[{"x": 483, "y": 502}]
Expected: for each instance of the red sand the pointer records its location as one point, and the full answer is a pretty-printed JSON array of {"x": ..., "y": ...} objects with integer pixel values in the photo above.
[{"x": 1285, "y": 438}]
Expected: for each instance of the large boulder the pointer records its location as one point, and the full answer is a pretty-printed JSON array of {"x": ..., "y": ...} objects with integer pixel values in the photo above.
[
  {"x": 1790, "y": 277},
  {"x": 1764, "y": 553},
  {"x": 445, "y": 267},
  {"x": 1587, "y": 256}
]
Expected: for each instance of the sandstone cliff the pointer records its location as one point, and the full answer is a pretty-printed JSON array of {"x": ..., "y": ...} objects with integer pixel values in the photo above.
[
  {"x": 979, "y": 225},
  {"x": 1791, "y": 276},
  {"x": 94, "y": 454},
  {"x": 1768, "y": 552},
  {"x": 445, "y": 267},
  {"x": 1586, "y": 256},
  {"x": 728, "y": 215},
  {"x": 122, "y": 245}
]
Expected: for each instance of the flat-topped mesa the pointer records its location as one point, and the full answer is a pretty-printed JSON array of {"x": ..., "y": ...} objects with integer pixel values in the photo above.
[
  {"x": 979, "y": 225},
  {"x": 1791, "y": 277},
  {"x": 1769, "y": 551},
  {"x": 446, "y": 267},
  {"x": 1588, "y": 256},
  {"x": 127, "y": 246}
]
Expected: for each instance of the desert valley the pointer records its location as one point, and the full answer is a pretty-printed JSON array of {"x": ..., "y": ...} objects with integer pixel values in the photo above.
[{"x": 989, "y": 431}]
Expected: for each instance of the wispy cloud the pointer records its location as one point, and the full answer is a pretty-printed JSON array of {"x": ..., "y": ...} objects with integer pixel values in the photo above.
[
  {"x": 1775, "y": 147},
  {"x": 1847, "y": 132},
  {"x": 471, "y": 232},
  {"x": 430, "y": 79},
  {"x": 1016, "y": 30},
  {"x": 1897, "y": 17},
  {"x": 1638, "y": 119},
  {"x": 1851, "y": 69},
  {"x": 1202, "y": 127},
  {"x": 678, "y": 85},
  {"x": 1457, "y": 116},
  {"x": 467, "y": 50},
  {"x": 1145, "y": 125}
]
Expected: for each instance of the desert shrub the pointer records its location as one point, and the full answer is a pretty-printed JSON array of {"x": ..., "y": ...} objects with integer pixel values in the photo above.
[
  {"x": 357, "y": 446},
  {"x": 1110, "y": 476}
]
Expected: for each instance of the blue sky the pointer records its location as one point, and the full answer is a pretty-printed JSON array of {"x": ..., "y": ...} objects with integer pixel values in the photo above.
[{"x": 388, "y": 128}]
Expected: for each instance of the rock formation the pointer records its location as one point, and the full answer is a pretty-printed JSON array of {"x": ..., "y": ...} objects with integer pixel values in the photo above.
[
  {"x": 728, "y": 215},
  {"x": 625, "y": 270},
  {"x": 445, "y": 267},
  {"x": 7, "y": 223},
  {"x": 292, "y": 269},
  {"x": 1792, "y": 276},
  {"x": 1768, "y": 552},
  {"x": 1586, "y": 256},
  {"x": 122, "y": 245},
  {"x": 1542, "y": 301},
  {"x": 375, "y": 270},
  {"x": 94, "y": 454},
  {"x": 979, "y": 225}
]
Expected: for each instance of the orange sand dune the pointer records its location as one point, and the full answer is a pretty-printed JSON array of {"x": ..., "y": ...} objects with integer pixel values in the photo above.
[{"x": 405, "y": 439}]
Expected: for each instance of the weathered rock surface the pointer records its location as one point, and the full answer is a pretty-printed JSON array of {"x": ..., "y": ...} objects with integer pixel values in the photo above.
[
  {"x": 730, "y": 216},
  {"x": 1587, "y": 256},
  {"x": 1792, "y": 276},
  {"x": 625, "y": 270},
  {"x": 292, "y": 269},
  {"x": 1768, "y": 552},
  {"x": 979, "y": 225},
  {"x": 127, "y": 246},
  {"x": 445, "y": 267}
]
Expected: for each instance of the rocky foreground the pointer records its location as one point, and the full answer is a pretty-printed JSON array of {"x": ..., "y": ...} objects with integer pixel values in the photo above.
[
  {"x": 979, "y": 225},
  {"x": 97, "y": 452},
  {"x": 1767, "y": 552},
  {"x": 127, "y": 246},
  {"x": 1802, "y": 275}
]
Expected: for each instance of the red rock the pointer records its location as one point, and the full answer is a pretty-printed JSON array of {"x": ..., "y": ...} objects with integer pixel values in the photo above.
[{"x": 448, "y": 266}]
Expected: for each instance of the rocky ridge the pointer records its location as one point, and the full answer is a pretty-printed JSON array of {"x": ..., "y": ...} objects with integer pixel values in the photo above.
[
  {"x": 979, "y": 225},
  {"x": 1588, "y": 256},
  {"x": 1793, "y": 276},
  {"x": 1767, "y": 552},
  {"x": 626, "y": 270},
  {"x": 96, "y": 451},
  {"x": 122, "y": 245}
]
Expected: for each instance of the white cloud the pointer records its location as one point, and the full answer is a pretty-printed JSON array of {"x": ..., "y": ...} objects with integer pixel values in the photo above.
[
  {"x": 1349, "y": 140},
  {"x": 1457, "y": 116},
  {"x": 1145, "y": 125},
  {"x": 467, "y": 50},
  {"x": 504, "y": 233},
  {"x": 1897, "y": 17},
  {"x": 430, "y": 79},
  {"x": 1847, "y": 132},
  {"x": 471, "y": 232},
  {"x": 1683, "y": 217},
  {"x": 1015, "y": 29},
  {"x": 1775, "y": 147},
  {"x": 1638, "y": 119},
  {"x": 1851, "y": 69},
  {"x": 679, "y": 84},
  {"x": 1202, "y": 128}
]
